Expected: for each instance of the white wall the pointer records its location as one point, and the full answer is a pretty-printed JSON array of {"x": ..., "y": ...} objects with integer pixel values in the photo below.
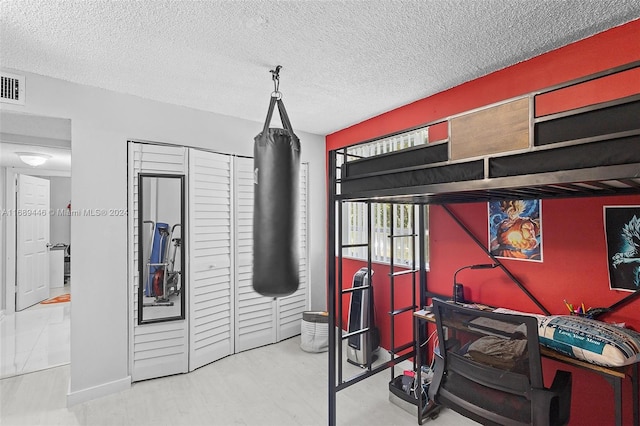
[
  {"x": 167, "y": 197},
  {"x": 102, "y": 122},
  {"x": 3, "y": 222},
  {"x": 9, "y": 236}
]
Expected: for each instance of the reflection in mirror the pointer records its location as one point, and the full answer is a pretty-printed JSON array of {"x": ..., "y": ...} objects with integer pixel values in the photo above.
[{"x": 161, "y": 248}]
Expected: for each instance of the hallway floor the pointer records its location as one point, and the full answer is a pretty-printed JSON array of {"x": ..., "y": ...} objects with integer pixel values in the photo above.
[{"x": 35, "y": 338}]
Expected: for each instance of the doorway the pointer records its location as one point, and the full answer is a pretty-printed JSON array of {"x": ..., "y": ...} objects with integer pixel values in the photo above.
[{"x": 35, "y": 263}]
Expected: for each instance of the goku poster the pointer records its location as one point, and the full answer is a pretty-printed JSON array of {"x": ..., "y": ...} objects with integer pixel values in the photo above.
[
  {"x": 515, "y": 229},
  {"x": 622, "y": 232}
]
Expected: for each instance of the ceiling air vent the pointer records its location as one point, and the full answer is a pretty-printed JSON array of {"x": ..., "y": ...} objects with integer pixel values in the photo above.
[{"x": 12, "y": 88}]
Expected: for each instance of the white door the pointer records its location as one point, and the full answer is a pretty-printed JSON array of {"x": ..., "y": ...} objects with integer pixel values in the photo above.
[
  {"x": 210, "y": 257},
  {"x": 156, "y": 349},
  {"x": 32, "y": 237},
  {"x": 290, "y": 308},
  {"x": 254, "y": 314}
]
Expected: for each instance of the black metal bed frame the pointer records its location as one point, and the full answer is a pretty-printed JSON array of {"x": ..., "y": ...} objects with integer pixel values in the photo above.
[{"x": 617, "y": 179}]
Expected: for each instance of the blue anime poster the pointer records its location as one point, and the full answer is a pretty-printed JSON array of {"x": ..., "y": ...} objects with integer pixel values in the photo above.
[
  {"x": 622, "y": 232},
  {"x": 515, "y": 229}
]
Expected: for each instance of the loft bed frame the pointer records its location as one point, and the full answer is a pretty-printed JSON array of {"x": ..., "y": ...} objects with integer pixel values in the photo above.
[
  {"x": 506, "y": 151},
  {"x": 499, "y": 152}
]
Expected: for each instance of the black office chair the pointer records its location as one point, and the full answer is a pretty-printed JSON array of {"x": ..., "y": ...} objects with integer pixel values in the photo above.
[{"x": 489, "y": 369}]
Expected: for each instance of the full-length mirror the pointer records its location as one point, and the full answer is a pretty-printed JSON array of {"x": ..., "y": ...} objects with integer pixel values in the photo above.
[{"x": 161, "y": 247}]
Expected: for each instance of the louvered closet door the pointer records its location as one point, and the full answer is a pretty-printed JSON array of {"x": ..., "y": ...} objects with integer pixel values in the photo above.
[
  {"x": 157, "y": 349},
  {"x": 211, "y": 291},
  {"x": 290, "y": 308},
  {"x": 255, "y": 314}
]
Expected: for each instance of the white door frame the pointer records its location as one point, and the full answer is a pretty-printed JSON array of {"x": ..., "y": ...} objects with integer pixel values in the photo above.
[{"x": 10, "y": 241}]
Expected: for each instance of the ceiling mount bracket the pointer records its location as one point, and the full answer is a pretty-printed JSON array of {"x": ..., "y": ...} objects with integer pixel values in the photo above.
[{"x": 275, "y": 76}]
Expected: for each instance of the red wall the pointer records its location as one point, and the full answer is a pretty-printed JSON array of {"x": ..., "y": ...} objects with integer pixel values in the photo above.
[
  {"x": 574, "y": 263},
  {"x": 574, "y": 266},
  {"x": 381, "y": 295}
]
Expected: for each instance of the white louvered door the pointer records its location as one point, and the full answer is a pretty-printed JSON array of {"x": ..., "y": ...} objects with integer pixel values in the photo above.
[
  {"x": 224, "y": 315},
  {"x": 210, "y": 256},
  {"x": 156, "y": 349},
  {"x": 255, "y": 314},
  {"x": 290, "y": 308}
]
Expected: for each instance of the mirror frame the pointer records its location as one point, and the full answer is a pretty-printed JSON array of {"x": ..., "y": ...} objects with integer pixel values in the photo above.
[{"x": 183, "y": 246}]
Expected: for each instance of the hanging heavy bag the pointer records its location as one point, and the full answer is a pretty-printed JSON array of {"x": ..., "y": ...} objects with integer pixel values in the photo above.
[{"x": 276, "y": 155}]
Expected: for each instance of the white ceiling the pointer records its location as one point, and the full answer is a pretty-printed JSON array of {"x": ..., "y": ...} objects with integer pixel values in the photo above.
[
  {"x": 59, "y": 159},
  {"x": 38, "y": 135},
  {"x": 343, "y": 61}
]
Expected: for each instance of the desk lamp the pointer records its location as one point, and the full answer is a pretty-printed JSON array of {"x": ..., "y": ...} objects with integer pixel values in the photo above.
[{"x": 455, "y": 297}]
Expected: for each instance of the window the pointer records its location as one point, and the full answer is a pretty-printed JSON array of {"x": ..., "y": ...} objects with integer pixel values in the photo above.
[{"x": 355, "y": 220}]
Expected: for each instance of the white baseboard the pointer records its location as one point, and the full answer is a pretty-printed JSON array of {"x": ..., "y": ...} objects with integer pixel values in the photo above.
[{"x": 105, "y": 389}]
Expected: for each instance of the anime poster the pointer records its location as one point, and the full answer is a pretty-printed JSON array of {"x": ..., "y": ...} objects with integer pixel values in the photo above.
[
  {"x": 622, "y": 232},
  {"x": 515, "y": 229}
]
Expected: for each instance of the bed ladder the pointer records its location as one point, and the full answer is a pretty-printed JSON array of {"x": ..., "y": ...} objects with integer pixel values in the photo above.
[
  {"x": 335, "y": 291},
  {"x": 394, "y": 312},
  {"x": 363, "y": 288}
]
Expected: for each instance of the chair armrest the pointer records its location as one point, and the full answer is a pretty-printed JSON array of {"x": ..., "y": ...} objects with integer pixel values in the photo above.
[
  {"x": 438, "y": 371},
  {"x": 553, "y": 406}
]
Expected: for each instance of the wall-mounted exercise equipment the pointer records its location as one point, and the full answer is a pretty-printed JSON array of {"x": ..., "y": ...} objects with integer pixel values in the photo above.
[
  {"x": 276, "y": 155},
  {"x": 162, "y": 273}
]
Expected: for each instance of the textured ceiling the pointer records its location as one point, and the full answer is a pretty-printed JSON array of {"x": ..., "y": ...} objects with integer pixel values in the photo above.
[{"x": 343, "y": 61}]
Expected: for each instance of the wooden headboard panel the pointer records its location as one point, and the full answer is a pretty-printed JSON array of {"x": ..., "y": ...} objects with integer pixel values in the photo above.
[{"x": 499, "y": 128}]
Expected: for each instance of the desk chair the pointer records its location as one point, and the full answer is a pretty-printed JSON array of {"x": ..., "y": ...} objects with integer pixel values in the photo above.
[{"x": 489, "y": 369}]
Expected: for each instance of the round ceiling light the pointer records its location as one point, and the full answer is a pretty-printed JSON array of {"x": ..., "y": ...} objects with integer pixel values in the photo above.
[{"x": 33, "y": 159}]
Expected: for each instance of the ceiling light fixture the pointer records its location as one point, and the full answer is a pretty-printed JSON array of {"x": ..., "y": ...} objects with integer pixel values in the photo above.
[{"x": 33, "y": 159}]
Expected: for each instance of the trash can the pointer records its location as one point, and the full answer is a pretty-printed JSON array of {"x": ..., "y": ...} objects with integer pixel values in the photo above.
[{"x": 314, "y": 332}]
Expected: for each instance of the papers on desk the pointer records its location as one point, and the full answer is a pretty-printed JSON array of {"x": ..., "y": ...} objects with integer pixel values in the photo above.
[
  {"x": 478, "y": 306},
  {"x": 425, "y": 313}
]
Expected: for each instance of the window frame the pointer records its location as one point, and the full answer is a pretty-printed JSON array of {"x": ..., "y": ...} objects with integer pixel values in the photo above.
[{"x": 354, "y": 213}]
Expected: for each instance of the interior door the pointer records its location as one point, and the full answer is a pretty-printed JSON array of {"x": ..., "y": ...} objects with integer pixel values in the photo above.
[
  {"x": 290, "y": 308},
  {"x": 211, "y": 262},
  {"x": 32, "y": 237},
  {"x": 161, "y": 348},
  {"x": 254, "y": 314}
]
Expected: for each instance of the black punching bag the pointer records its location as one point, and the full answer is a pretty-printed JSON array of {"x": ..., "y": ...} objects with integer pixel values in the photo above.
[{"x": 276, "y": 154}]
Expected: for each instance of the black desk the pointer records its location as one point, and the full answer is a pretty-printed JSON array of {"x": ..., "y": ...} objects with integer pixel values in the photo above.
[{"x": 613, "y": 375}]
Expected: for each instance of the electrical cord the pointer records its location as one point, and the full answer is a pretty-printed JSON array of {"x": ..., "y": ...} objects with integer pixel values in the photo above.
[
  {"x": 429, "y": 338},
  {"x": 417, "y": 380}
]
